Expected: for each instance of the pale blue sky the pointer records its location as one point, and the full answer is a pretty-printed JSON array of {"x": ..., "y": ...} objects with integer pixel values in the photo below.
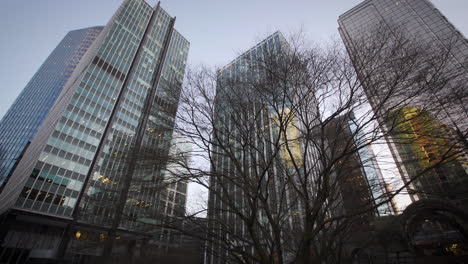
[{"x": 217, "y": 29}]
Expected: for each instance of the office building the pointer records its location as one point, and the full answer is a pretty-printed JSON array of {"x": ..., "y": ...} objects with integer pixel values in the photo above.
[
  {"x": 362, "y": 182},
  {"x": 423, "y": 24},
  {"x": 423, "y": 144},
  {"x": 174, "y": 197},
  {"x": 25, "y": 116},
  {"x": 96, "y": 164},
  {"x": 244, "y": 152}
]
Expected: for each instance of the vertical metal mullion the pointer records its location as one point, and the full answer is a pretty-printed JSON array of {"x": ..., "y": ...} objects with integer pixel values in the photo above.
[
  {"x": 140, "y": 129},
  {"x": 66, "y": 237}
]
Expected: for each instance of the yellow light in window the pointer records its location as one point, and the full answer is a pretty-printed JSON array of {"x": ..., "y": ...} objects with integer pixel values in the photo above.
[{"x": 78, "y": 234}]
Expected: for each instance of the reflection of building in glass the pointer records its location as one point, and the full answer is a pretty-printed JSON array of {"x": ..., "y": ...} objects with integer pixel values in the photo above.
[
  {"x": 23, "y": 119},
  {"x": 418, "y": 19},
  {"x": 380, "y": 190},
  {"x": 173, "y": 198},
  {"x": 291, "y": 147},
  {"x": 98, "y": 159},
  {"x": 429, "y": 156}
]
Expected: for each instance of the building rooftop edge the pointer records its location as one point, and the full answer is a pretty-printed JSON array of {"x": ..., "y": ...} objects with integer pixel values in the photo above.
[
  {"x": 158, "y": 4},
  {"x": 96, "y": 27},
  {"x": 249, "y": 50},
  {"x": 347, "y": 13}
]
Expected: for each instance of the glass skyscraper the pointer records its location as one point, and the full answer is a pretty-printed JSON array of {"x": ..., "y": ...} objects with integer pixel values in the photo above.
[
  {"x": 420, "y": 19},
  {"x": 23, "y": 119},
  {"x": 424, "y": 144},
  {"x": 369, "y": 170},
  {"x": 361, "y": 182},
  {"x": 229, "y": 182},
  {"x": 173, "y": 198},
  {"x": 99, "y": 157}
]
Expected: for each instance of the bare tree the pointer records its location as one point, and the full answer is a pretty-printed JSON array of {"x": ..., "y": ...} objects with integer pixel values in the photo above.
[
  {"x": 282, "y": 140},
  {"x": 278, "y": 136}
]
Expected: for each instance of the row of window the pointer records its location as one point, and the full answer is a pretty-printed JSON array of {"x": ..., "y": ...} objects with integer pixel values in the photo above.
[
  {"x": 126, "y": 120},
  {"x": 38, "y": 96},
  {"x": 34, "y": 194}
]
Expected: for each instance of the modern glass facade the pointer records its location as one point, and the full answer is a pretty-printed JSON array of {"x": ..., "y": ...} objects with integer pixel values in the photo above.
[
  {"x": 421, "y": 21},
  {"x": 25, "y": 116},
  {"x": 247, "y": 65},
  {"x": 173, "y": 198},
  {"x": 361, "y": 182},
  {"x": 227, "y": 181},
  {"x": 418, "y": 19},
  {"x": 370, "y": 171},
  {"x": 424, "y": 144},
  {"x": 103, "y": 147}
]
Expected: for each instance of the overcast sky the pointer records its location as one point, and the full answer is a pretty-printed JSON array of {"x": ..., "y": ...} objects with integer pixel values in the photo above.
[{"x": 217, "y": 29}]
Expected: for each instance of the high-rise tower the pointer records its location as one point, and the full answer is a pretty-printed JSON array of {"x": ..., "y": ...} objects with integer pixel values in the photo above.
[
  {"x": 254, "y": 150},
  {"x": 439, "y": 113},
  {"x": 99, "y": 156},
  {"x": 363, "y": 184},
  {"x": 25, "y": 116}
]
